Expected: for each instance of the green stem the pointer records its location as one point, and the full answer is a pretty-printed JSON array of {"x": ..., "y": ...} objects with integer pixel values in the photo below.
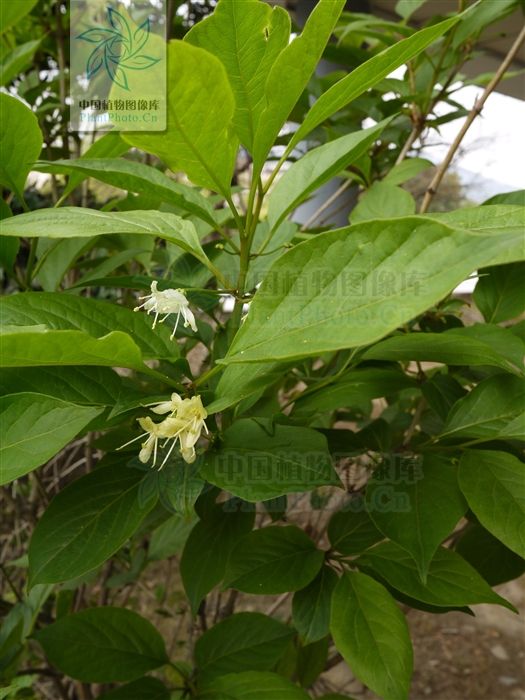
[
  {"x": 218, "y": 274},
  {"x": 246, "y": 233},
  {"x": 207, "y": 375},
  {"x": 61, "y": 200},
  {"x": 244, "y": 264},
  {"x": 236, "y": 215},
  {"x": 31, "y": 262},
  {"x": 250, "y": 215},
  {"x": 324, "y": 382},
  {"x": 160, "y": 377},
  {"x": 282, "y": 160},
  {"x": 228, "y": 240},
  {"x": 235, "y": 320}
]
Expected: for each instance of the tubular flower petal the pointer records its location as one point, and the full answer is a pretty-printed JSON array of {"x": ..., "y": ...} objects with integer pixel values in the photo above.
[
  {"x": 167, "y": 406},
  {"x": 167, "y": 302},
  {"x": 183, "y": 425}
]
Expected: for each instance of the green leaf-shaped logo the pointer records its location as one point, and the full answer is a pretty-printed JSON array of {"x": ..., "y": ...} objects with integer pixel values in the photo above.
[{"x": 118, "y": 48}]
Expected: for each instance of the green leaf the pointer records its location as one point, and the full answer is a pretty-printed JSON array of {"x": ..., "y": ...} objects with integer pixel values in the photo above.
[
  {"x": 77, "y": 222},
  {"x": 311, "y": 661},
  {"x": 353, "y": 389},
  {"x": 514, "y": 197},
  {"x": 240, "y": 381},
  {"x": 351, "y": 530},
  {"x": 177, "y": 485},
  {"x": 495, "y": 562},
  {"x": 86, "y": 523},
  {"x": 406, "y": 170},
  {"x": 406, "y": 8},
  {"x": 367, "y": 75},
  {"x": 110, "y": 145},
  {"x": 258, "y": 460},
  {"x": 20, "y": 144},
  {"x": 16, "y": 684},
  {"x": 209, "y": 545},
  {"x": 255, "y": 685},
  {"x": 110, "y": 263},
  {"x": 416, "y": 508},
  {"x": 247, "y": 641},
  {"x": 142, "y": 689},
  {"x": 136, "y": 177},
  {"x": 198, "y": 139},
  {"x": 501, "y": 340},
  {"x": 372, "y": 635},
  {"x": 34, "y": 428},
  {"x": 383, "y": 201},
  {"x": 471, "y": 346},
  {"x": 90, "y": 386},
  {"x": 317, "y": 167},
  {"x": 13, "y": 12},
  {"x": 280, "y": 239},
  {"x": 169, "y": 538},
  {"x": 56, "y": 258},
  {"x": 9, "y": 247},
  {"x": 494, "y": 409},
  {"x": 64, "y": 312},
  {"x": 497, "y": 219},
  {"x": 451, "y": 581},
  {"x": 441, "y": 393},
  {"x": 494, "y": 486},
  {"x": 273, "y": 560},
  {"x": 482, "y": 15},
  {"x": 246, "y": 37},
  {"x": 17, "y": 60},
  {"x": 18, "y": 624},
  {"x": 351, "y": 287},
  {"x": 499, "y": 292},
  {"x": 102, "y": 645},
  {"x": 290, "y": 74},
  {"x": 311, "y": 606},
  {"x": 35, "y": 346}
]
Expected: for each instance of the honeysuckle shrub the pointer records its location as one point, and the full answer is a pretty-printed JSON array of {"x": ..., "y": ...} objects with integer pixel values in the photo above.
[{"x": 302, "y": 425}]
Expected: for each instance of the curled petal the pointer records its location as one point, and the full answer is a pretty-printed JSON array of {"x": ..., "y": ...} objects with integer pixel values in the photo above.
[
  {"x": 146, "y": 424},
  {"x": 147, "y": 449},
  {"x": 188, "y": 454},
  {"x": 162, "y": 408},
  {"x": 189, "y": 319}
]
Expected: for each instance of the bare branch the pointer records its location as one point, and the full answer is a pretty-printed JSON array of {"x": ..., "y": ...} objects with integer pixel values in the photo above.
[{"x": 440, "y": 172}]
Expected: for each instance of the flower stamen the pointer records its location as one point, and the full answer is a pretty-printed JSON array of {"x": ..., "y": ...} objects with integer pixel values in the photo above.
[
  {"x": 167, "y": 302},
  {"x": 183, "y": 424}
]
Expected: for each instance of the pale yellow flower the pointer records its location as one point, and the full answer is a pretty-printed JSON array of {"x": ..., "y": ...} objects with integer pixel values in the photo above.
[{"x": 183, "y": 425}]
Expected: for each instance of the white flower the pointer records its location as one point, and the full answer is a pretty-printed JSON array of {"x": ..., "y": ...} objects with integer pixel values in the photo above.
[
  {"x": 170, "y": 406},
  {"x": 184, "y": 425},
  {"x": 169, "y": 301}
]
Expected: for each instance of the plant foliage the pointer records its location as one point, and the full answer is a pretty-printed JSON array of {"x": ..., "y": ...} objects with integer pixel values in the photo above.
[{"x": 182, "y": 365}]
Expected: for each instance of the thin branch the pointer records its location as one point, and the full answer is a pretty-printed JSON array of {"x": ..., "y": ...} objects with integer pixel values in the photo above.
[
  {"x": 229, "y": 607},
  {"x": 317, "y": 213},
  {"x": 412, "y": 137},
  {"x": 415, "y": 421},
  {"x": 62, "y": 78},
  {"x": 440, "y": 172},
  {"x": 11, "y": 583},
  {"x": 333, "y": 661},
  {"x": 170, "y": 16},
  {"x": 277, "y": 604}
]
